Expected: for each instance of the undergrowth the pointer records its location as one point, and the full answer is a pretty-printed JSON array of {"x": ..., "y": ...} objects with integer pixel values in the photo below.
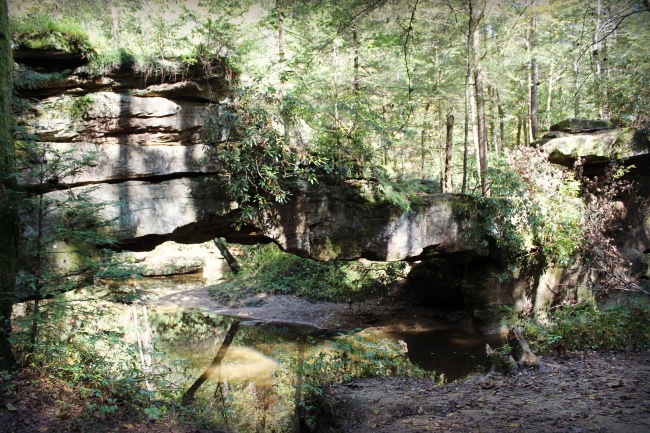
[
  {"x": 348, "y": 357},
  {"x": 586, "y": 326},
  {"x": 42, "y": 32},
  {"x": 266, "y": 269}
]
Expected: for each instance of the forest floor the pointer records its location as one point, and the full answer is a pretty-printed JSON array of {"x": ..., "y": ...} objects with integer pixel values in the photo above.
[{"x": 573, "y": 393}]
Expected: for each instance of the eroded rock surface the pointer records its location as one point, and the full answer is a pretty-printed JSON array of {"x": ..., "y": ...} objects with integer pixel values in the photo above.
[{"x": 595, "y": 141}]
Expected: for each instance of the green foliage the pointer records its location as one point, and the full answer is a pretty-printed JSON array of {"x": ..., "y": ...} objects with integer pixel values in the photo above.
[
  {"x": 349, "y": 356},
  {"x": 533, "y": 207},
  {"x": 110, "y": 61},
  {"x": 267, "y": 269},
  {"x": 79, "y": 107},
  {"x": 588, "y": 327},
  {"x": 41, "y": 31},
  {"x": 256, "y": 158},
  {"x": 25, "y": 78}
]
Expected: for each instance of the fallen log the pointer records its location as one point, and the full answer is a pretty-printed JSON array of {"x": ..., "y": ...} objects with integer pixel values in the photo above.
[{"x": 523, "y": 356}]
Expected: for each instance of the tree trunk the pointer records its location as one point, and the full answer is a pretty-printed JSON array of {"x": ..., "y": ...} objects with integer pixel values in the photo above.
[
  {"x": 493, "y": 115},
  {"x": 188, "y": 397},
  {"x": 115, "y": 25},
  {"x": 230, "y": 259},
  {"x": 479, "y": 95},
  {"x": 281, "y": 56},
  {"x": 8, "y": 218},
  {"x": 531, "y": 42},
  {"x": 600, "y": 55},
  {"x": 502, "y": 116},
  {"x": 549, "y": 97},
  {"x": 518, "y": 142},
  {"x": 448, "y": 187},
  {"x": 526, "y": 133},
  {"x": 441, "y": 164},
  {"x": 423, "y": 143},
  {"x": 576, "y": 88},
  {"x": 356, "y": 86},
  {"x": 466, "y": 138},
  {"x": 520, "y": 349}
]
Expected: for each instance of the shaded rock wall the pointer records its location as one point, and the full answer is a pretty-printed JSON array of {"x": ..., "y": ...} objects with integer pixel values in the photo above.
[{"x": 155, "y": 179}]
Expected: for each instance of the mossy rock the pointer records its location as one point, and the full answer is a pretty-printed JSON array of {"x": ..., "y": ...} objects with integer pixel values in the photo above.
[
  {"x": 51, "y": 41},
  {"x": 578, "y": 125}
]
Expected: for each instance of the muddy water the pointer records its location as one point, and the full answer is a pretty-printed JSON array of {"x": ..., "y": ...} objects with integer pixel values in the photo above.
[
  {"x": 452, "y": 352},
  {"x": 254, "y": 387},
  {"x": 259, "y": 345}
]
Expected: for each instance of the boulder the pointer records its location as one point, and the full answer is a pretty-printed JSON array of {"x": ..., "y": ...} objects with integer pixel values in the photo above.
[
  {"x": 603, "y": 146},
  {"x": 578, "y": 125}
]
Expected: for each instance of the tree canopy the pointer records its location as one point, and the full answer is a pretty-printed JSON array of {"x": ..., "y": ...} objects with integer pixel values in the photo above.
[{"x": 370, "y": 83}]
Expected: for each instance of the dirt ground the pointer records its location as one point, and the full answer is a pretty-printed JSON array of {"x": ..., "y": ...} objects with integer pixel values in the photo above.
[
  {"x": 33, "y": 403},
  {"x": 392, "y": 313},
  {"x": 574, "y": 393}
]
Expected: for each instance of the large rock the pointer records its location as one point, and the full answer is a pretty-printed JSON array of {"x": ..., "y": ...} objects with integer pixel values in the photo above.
[
  {"x": 121, "y": 162},
  {"x": 137, "y": 126},
  {"x": 578, "y": 125},
  {"x": 603, "y": 146},
  {"x": 491, "y": 293},
  {"x": 112, "y": 118},
  {"x": 327, "y": 226},
  {"x": 313, "y": 224}
]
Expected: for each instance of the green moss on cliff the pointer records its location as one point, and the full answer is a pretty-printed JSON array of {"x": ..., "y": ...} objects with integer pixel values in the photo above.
[
  {"x": 8, "y": 221},
  {"x": 46, "y": 34}
]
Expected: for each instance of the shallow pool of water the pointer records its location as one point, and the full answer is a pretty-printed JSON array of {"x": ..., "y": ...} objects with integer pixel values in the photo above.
[{"x": 452, "y": 352}]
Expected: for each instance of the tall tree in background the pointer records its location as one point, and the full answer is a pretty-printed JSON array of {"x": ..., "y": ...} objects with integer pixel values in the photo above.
[
  {"x": 476, "y": 13},
  {"x": 8, "y": 220},
  {"x": 447, "y": 184},
  {"x": 533, "y": 78}
]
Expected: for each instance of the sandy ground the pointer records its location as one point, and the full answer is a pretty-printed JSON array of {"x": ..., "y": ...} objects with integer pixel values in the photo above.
[{"x": 391, "y": 314}]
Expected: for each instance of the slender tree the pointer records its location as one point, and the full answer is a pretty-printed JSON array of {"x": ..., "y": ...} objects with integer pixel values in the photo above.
[
  {"x": 476, "y": 16},
  {"x": 447, "y": 186},
  {"x": 531, "y": 45}
]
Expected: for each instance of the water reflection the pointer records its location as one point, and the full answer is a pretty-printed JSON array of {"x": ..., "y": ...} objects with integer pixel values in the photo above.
[
  {"x": 452, "y": 352},
  {"x": 258, "y": 384}
]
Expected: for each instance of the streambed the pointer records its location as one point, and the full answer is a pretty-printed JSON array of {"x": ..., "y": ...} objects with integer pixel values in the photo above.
[{"x": 277, "y": 356}]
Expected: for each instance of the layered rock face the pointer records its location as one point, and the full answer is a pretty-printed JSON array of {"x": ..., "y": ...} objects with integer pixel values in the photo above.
[
  {"x": 158, "y": 184},
  {"x": 597, "y": 143}
]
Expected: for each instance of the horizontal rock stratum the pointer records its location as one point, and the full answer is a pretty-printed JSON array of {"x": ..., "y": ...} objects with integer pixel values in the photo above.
[
  {"x": 154, "y": 180},
  {"x": 313, "y": 224}
]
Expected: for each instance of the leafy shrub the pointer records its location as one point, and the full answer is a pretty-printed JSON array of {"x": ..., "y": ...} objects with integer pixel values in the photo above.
[
  {"x": 534, "y": 207},
  {"x": 267, "y": 269},
  {"x": 586, "y": 327}
]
